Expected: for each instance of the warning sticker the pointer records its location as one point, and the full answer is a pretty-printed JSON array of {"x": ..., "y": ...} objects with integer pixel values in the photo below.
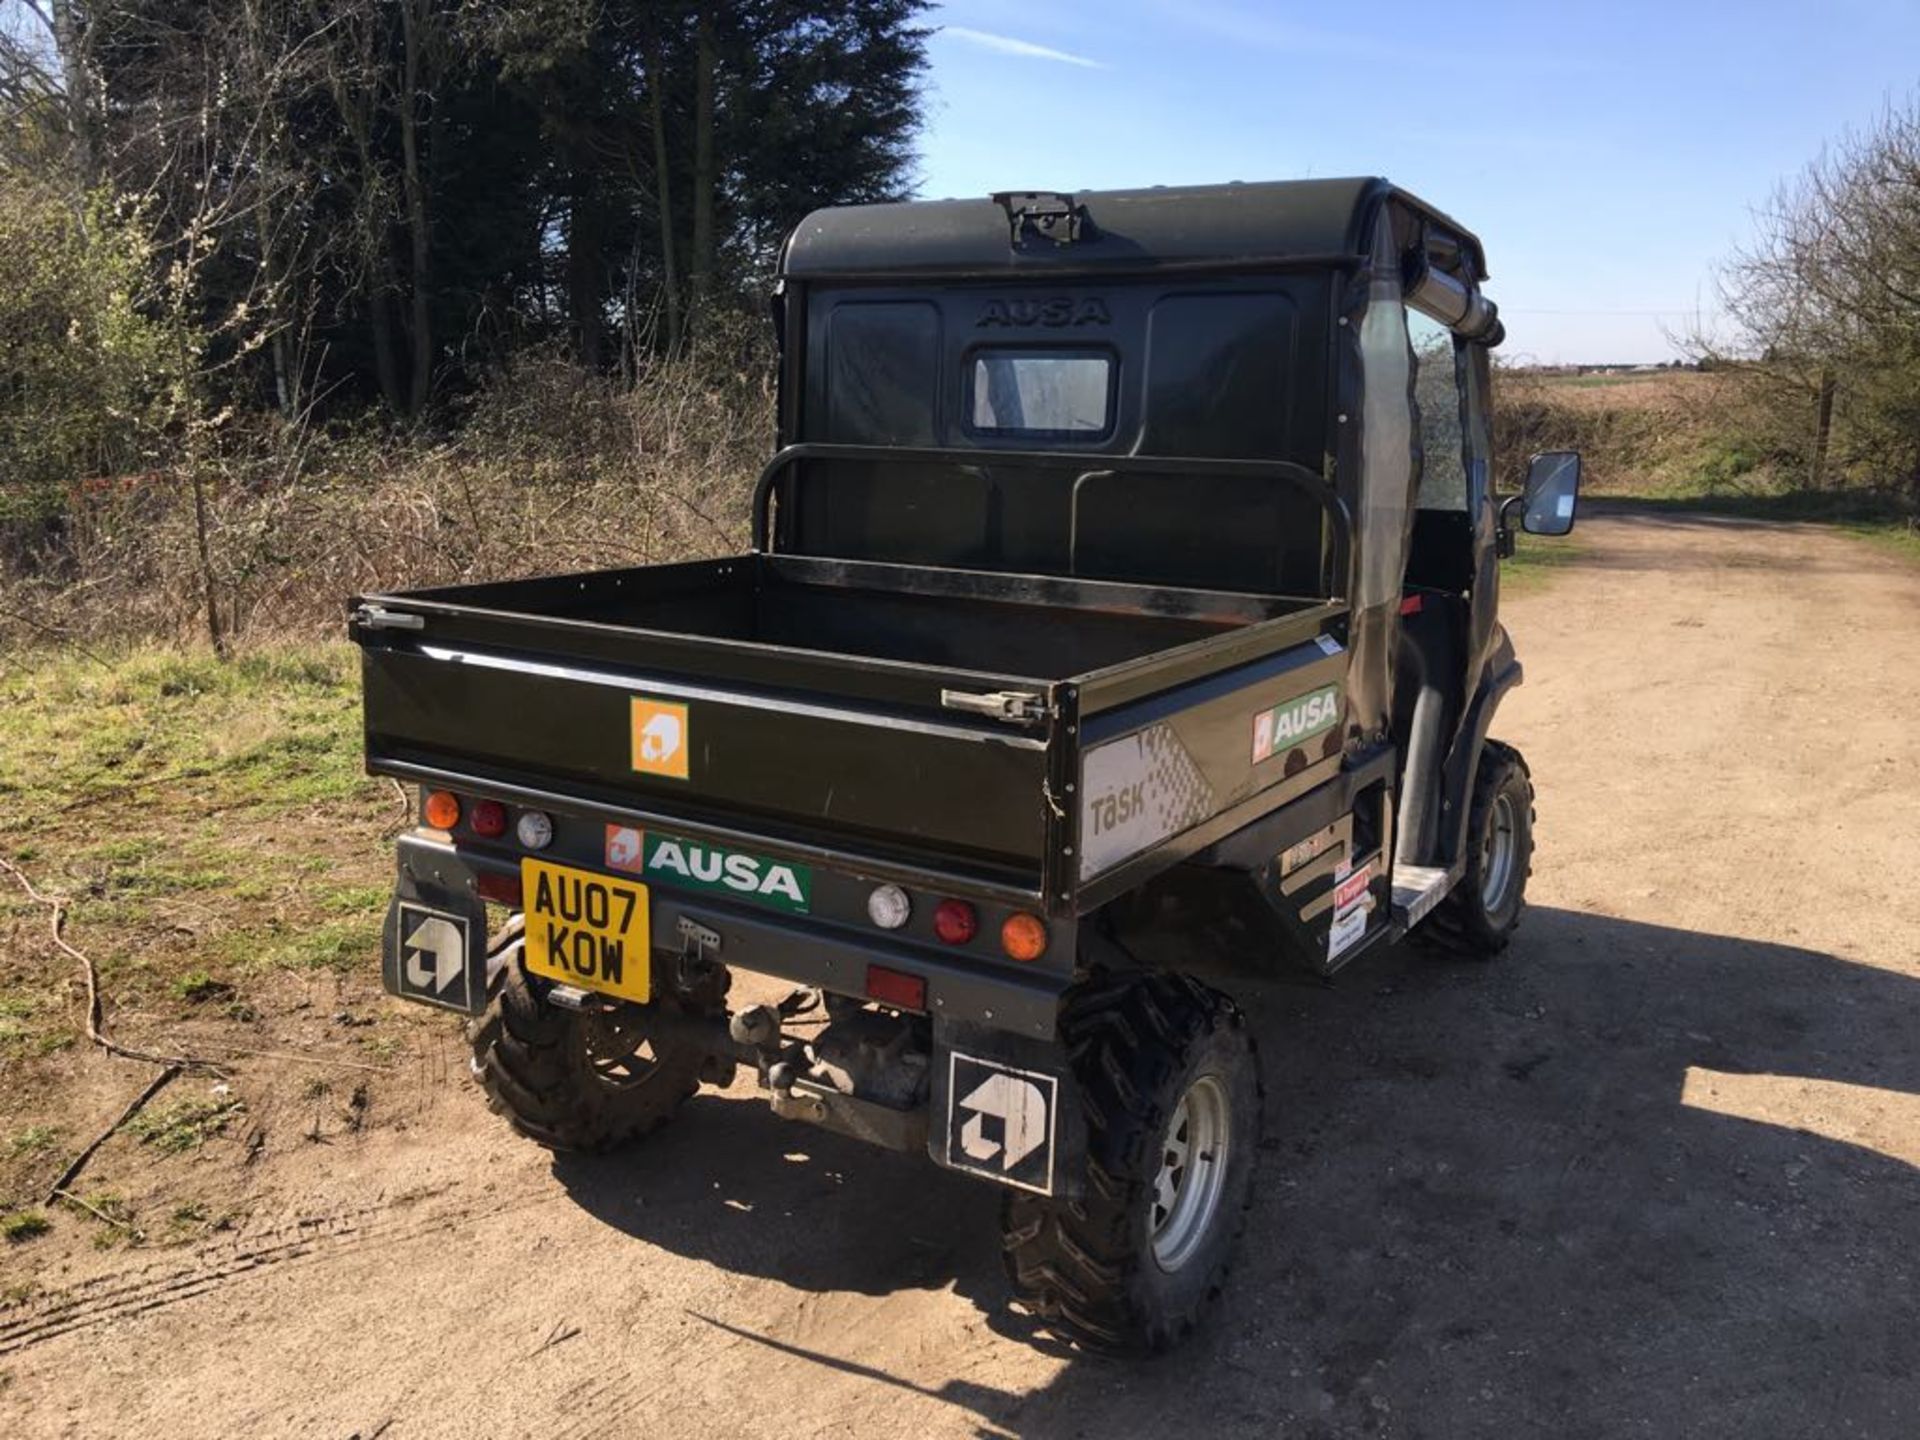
[
  {"x": 1309, "y": 849},
  {"x": 1135, "y": 792},
  {"x": 1346, "y": 929},
  {"x": 1352, "y": 888}
]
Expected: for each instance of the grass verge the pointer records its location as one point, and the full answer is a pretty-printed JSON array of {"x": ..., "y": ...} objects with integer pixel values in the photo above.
[
  {"x": 221, "y": 850},
  {"x": 24, "y": 1225},
  {"x": 1536, "y": 560}
]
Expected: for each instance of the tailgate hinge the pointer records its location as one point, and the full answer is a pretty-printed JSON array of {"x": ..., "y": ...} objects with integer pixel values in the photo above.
[
  {"x": 378, "y": 617},
  {"x": 1015, "y": 706}
]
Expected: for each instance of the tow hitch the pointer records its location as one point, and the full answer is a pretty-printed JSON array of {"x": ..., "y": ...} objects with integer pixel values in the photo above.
[{"x": 862, "y": 1074}]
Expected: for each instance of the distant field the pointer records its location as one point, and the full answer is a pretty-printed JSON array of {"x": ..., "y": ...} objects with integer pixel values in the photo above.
[
  {"x": 1673, "y": 438},
  {"x": 1595, "y": 382},
  {"x": 1674, "y": 392},
  {"x": 1656, "y": 433}
]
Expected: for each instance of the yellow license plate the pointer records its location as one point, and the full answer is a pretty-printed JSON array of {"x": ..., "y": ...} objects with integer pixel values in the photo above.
[{"x": 587, "y": 930}]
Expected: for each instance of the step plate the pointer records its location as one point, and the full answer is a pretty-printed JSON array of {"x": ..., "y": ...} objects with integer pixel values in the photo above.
[{"x": 1416, "y": 890}]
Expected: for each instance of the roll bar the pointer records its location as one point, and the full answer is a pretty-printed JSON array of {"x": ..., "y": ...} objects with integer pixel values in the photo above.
[{"x": 1335, "y": 558}]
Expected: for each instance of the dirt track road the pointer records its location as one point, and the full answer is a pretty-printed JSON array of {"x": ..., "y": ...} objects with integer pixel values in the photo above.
[{"x": 1653, "y": 1173}]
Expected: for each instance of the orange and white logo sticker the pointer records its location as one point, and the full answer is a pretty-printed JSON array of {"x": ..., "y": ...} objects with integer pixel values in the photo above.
[
  {"x": 660, "y": 740},
  {"x": 626, "y": 848}
]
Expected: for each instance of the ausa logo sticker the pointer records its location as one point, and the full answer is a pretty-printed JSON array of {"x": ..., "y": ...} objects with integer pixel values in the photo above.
[
  {"x": 1000, "y": 1122},
  {"x": 432, "y": 946},
  {"x": 1057, "y": 312},
  {"x": 694, "y": 865},
  {"x": 660, "y": 741},
  {"x": 1287, "y": 726}
]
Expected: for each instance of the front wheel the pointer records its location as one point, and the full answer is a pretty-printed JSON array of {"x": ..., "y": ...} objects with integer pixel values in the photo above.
[
  {"x": 1480, "y": 914},
  {"x": 1170, "y": 1086}
]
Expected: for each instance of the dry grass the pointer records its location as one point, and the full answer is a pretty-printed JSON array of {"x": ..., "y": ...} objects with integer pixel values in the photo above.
[{"x": 552, "y": 469}]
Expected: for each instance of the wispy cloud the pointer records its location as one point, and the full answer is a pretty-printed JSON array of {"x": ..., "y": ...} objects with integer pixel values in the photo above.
[
  {"x": 1260, "y": 29},
  {"x": 1025, "y": 49}
]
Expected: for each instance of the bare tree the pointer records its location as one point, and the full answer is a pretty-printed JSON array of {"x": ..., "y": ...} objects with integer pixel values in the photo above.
[
  {"x": 356, "y": 80},
  {"x": 705, "y": 175},
  {"x": 663, "y": 196},
  {"x": 47, "y": 122},
  {"x": 1824, "y": 304},
  {"x": 426, "y": 49}
]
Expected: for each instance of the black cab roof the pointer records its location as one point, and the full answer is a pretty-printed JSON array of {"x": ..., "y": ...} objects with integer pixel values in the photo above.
[{"x": 1288, "y": 222}]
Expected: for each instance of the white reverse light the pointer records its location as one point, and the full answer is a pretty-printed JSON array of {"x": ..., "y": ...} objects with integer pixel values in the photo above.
[
  {"x": 535, "y": 829},
  {"x": 888, "y": 907}
]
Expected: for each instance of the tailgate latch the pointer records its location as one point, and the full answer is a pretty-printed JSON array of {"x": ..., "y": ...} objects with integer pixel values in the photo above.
[{"x": 1015, "y": 706}]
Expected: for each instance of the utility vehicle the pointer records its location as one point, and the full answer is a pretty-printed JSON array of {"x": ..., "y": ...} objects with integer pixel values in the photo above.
[{"x": 1127, "y": 558}]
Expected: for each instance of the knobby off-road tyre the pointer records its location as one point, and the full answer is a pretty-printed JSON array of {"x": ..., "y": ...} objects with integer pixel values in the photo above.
[
  {"x": 575, "y": 1080},
  {"x": 1479, "y": 915},
  {"x": 1170, "y": 1086}
]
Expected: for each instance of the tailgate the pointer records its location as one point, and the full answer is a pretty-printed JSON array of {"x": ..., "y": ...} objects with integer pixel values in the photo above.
[{"x": 810, "y": 763}]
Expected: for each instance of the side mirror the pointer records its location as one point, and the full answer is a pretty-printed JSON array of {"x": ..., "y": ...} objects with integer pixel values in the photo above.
[{"x": 1553, "y": 489}]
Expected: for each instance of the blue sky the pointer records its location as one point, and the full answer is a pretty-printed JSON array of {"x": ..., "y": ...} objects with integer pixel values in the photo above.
[{"x": 1607, "y": 155}]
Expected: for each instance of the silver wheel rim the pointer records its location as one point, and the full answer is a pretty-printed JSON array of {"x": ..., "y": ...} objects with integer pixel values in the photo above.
[
  {"x": 1193, "y": 1173},
  {"x": 1496, "y": 856}
]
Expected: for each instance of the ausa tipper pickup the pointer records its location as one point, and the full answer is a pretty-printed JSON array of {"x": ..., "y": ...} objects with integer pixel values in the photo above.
[{"x": 1128, "y": 559}]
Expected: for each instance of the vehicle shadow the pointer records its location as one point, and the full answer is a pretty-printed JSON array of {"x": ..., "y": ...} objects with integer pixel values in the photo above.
[{"x": 1561, "y": 1193}]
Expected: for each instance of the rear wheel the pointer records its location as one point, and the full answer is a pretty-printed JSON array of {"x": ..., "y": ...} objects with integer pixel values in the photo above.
[
  {"x": 588, "y": 1080},
  {"x": 1170, "y": 1087},
  {"x": 1479, "y": 915}
]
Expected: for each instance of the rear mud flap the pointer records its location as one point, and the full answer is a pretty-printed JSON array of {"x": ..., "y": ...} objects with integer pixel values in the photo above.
[
  {"x": 434, "y": 947},
  {"x": 1005, "y": 1108}
]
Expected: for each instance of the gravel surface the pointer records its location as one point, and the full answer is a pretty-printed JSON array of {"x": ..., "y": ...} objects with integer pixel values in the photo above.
[{"x": 1650, "y": 1173}]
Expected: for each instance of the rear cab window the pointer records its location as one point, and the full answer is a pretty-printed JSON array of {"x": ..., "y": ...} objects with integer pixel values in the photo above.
[{"x": 1040, "y": 394}]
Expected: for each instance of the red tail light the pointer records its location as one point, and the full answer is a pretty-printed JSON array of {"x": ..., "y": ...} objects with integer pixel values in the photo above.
[
  {"x": 896, "y": 988},
  {"x": 955, "y": 922},
  {"x": 501, "y": 889},
  {"x": 488, "y": 818}
]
